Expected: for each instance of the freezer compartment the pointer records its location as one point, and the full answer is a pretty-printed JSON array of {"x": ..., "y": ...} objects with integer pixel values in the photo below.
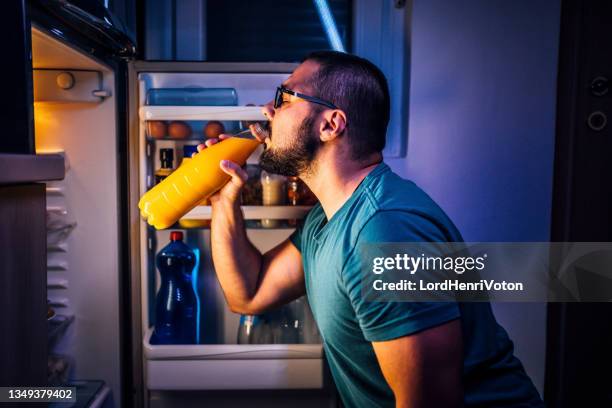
[{"x": 226, "y": 367}]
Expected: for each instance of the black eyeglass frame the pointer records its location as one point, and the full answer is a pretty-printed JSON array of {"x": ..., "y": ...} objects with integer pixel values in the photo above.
[{"x": 278, "y": 98}]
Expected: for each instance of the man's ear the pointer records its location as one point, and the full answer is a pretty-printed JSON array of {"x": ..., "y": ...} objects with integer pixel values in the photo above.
[{"x": 333, "y": 124}]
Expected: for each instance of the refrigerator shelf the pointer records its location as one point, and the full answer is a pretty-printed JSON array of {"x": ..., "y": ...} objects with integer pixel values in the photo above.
[
  {"x": 233, "y": 366},
  {"x": 201, "y": 113},
  {"x": 193, "y": 138},
  {"x": 255, "y": 212}
]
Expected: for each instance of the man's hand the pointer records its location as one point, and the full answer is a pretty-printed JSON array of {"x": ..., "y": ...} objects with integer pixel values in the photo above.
[
  {"x": 229, "y": 193},
  {"x": 424, "y": 369}
]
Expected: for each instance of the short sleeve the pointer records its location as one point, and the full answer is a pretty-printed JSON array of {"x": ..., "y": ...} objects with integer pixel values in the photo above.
[
  {"x": 386, "y": 320},
  {"x": 304, "y": 228}
]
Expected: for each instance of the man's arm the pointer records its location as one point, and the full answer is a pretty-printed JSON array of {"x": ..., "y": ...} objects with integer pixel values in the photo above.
[
  {"x": 424, "y": 369},
  {"x": 252, "y": 282}
]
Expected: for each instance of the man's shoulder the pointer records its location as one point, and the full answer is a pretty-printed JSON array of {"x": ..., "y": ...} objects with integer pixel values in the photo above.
[
  {"x": 314, "y": 215},
  {"x": 400, "y": 211},
  {"x": 391, "y": 192}
]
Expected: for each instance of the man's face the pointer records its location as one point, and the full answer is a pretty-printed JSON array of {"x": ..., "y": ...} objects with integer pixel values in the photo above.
[{"x": 294, "y": 139}]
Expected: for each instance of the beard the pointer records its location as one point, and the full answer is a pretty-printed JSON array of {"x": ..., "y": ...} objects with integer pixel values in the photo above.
[{"x": 296, "y": 159}]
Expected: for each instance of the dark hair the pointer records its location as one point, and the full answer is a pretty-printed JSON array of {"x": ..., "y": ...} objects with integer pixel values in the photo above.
[{"x": 359, "y": 88}]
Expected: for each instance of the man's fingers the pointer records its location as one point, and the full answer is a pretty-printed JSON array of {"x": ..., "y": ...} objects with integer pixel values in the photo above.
[
  {"x": 238, "y": 174},
  {"x": 210, "y": 142},
  {"x": 207, "y": 143}
]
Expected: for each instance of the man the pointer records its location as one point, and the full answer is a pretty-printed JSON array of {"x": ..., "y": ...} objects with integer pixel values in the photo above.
[{"x": 328, "y": 124}]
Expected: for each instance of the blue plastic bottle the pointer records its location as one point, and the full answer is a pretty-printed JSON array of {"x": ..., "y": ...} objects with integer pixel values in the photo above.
[{"x": 176, "y": 307}]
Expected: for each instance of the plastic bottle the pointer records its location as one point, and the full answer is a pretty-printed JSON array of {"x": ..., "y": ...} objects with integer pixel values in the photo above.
[
  {"x": 176, "y": 304},
  {"x": 188, "y": 151},
  {"x": 193, "y": 181}
]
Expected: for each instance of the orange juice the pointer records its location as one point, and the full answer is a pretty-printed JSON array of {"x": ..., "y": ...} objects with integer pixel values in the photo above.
[
  {"x": 194, "y": 223},
  {"x": 204, "y": 201},
  {"x": 193, "y": 181}
]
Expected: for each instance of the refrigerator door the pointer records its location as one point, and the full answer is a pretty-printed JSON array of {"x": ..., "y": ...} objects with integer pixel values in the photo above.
[
  {"x": 218, "y": 363},
  {"x": 79, "y": 93},
  {"x": 85, "y": 23}
]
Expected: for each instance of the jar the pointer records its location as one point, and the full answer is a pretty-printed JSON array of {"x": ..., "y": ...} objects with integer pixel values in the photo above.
[
  {"x": 298, "y": 193},
  {"x": 273, "y": 193},
  {"x": 293, "y": 190},
  {"x": 251, "y": 192}
]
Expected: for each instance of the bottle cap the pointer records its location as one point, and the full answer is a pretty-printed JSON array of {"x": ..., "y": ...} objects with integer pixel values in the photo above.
[{"x": 176, "y": 236}]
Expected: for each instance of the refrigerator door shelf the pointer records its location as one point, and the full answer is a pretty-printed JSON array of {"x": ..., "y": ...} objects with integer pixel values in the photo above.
[
  {"x": 201, "y": 113},
  {"x": 69, "y": 86},
  {"x": 255, "y": 212},
  {"x": 235, "y": 366}
]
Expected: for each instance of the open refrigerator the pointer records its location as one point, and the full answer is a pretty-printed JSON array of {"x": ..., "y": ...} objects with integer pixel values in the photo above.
[
  {"x": 219, "y": 363},
  {"x": 93, "y": 108}
]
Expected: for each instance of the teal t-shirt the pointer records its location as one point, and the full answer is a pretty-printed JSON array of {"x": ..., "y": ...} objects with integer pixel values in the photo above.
[{"x": 387, "y": 208}]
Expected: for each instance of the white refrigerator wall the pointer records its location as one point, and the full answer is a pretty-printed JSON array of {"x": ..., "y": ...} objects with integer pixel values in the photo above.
[
  {"x": 86, "y": 132},
  {"x": 482, "y": 130}
]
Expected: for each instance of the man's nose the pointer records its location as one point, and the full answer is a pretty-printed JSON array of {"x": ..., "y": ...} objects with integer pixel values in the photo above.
[{"x": 268, "y": 110}]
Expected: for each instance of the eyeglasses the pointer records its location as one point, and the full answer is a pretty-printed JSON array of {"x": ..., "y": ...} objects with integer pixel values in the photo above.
[{"x": 278, "y": 98}]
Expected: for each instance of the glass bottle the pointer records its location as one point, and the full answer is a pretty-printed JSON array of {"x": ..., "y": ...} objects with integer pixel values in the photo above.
[
  {"x": 298, "y": 193},
  {"x": 273, "y": 193},
  {"x": 254, "y": 329}
]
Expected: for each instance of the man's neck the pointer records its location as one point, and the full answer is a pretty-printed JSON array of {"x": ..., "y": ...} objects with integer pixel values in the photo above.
[{"x": 334, "y": 179}]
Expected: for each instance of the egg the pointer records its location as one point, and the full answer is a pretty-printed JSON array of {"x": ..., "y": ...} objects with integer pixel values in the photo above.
[
  {"x": 179, "y": 130},
  {"x": 213, "y": 129},
  {"x": 157, "y": 129}
]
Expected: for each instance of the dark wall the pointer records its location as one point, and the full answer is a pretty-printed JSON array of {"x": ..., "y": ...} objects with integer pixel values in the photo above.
[
  {"x": 16, "y": 106},
  {"x": 580, "y": 334},
  {"x": 239, "y": 30},
  {"x": 482, "y": 130}
]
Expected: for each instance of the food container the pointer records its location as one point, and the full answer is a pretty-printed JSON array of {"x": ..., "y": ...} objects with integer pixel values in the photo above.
[
  {"x": 192, "y": 96},
  {"x": 272, "y": 193},
  {"x": 298, "y": 193},
  {"x": 251, "y": 192}
]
